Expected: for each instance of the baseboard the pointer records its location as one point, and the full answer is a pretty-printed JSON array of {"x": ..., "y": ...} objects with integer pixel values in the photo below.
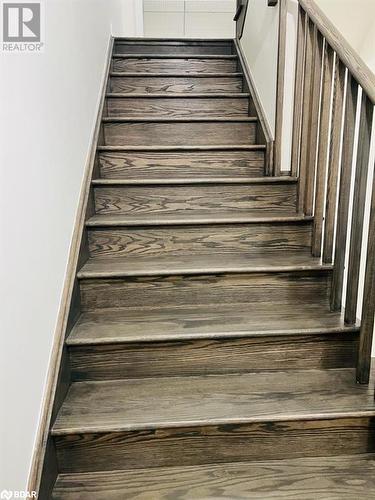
[
  {"x": 43, "y": 471},
  {"x": 265, "y": 126}
]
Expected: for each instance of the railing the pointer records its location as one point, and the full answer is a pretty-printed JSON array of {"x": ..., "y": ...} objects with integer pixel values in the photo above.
[
  {"x": 330, "y": 156},
  {"x": 240, "y": 16}
]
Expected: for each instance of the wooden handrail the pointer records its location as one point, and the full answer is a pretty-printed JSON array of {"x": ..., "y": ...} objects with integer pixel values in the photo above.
[
  {"x": 238, "y": 12},
  {"x": 348, "y": 56}
]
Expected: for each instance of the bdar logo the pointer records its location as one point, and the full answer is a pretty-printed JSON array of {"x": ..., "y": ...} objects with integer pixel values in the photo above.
[{"x": 6, "y": 494}]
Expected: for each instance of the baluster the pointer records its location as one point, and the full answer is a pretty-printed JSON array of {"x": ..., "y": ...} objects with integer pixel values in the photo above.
[
  {"x": 334, "y": 160},
  {"x": 280, "y": 86},
  {"x": 325, "y": 107},
  {"x": 344, "y": 192},
  {"x": 368, "y": 308},
  {"x": 306, "y": 114},
  {"x": 365, "y": 128},
  {"x": 314, "y": 121},
  {"x": 298, "y": 91}
]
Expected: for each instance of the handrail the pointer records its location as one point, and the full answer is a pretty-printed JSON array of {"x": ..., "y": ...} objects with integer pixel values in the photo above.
[
  {"x": 240, "y": 17},
  {"x": 348, "y": 56},
  {"x": 238, "y": 12}
]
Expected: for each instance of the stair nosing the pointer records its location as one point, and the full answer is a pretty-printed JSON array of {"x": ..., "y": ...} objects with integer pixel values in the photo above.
[
  {"x": 177, "y": 95},
  {"x": 140, "y": 74},
  {"x": 219, "y": 270},
  {"x": 176, "y": 337},
  {"x": 153, "y": 119},
  {"x": 195, "y": 181},
  {"x": 175, "y": 56},
  {"x": 233, "y": 147},
  {"x": 203, "y": 221},
  {"x": 144, "y": 40},
  {"x": 214, "y": 422}
]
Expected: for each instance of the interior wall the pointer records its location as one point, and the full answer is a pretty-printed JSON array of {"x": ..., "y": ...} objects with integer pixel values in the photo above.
[
  {"x": 189, "y": 18},
  {"x": 355, "y": 19},
  {"x": 48, "y": 109},
  {"x": 259, "y": 43}
]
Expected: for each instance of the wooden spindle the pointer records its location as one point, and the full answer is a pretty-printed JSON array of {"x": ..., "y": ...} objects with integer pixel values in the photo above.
[
  {"x": 280, "y": 86},
  {"x": 314, "y": 122},
  {"x": 298, "y": 91},
  {"x": 344, "y": 192},
  {"x": 368, "y": 307},
  {"x": 306, "y": 114},
  {"x": 359, "y": 200},
  {"x": 334, "y": 161},
  {"x": 325, "y": 107}
]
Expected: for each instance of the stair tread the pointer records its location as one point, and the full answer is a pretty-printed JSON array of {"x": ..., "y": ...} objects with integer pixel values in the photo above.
[
  {"x": 342, "y": 477},
  {"x": 204, "y": 217},
  {"x": 195, "y": 180},
  {"x": 176, "y": 74},
  {"x": 212, "y": 263},
  {"x": 137, "y": 404},
  {"x": 212, "y": 147},
  {"x": 209, "y": 119},
  {"x": 206, "y": 322},
  {"x": 177, "y": 95},
  {"x": 177, "y": 55}
]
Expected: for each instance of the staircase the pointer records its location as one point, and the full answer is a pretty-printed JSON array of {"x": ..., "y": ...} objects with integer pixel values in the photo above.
[{"x": 205, "y": 361}]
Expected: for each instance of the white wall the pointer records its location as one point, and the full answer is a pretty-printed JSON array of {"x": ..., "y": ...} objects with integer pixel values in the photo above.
[
  {"x": 48, "y": 108},
  {"x": 189, "y": 18},
  {"x": 259, "y": 43},
  {"x": 356, "y": 21}
]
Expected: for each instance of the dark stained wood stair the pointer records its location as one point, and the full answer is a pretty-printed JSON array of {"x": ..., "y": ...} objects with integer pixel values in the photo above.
[{"x": 205, "y": 360}]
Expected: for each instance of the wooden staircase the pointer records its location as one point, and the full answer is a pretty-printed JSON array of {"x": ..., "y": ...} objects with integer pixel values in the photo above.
[{"x": 204, "y": 359}]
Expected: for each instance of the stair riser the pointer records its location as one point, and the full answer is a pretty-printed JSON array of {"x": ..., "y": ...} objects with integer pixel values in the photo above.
[
  {"x": 175, "y": 134},
  {"x": 190, "y": 164},
  {"x": 187, "y": 199},
  {"x": 212, "y": 356},
  {"x": 171, "y": 84},
  {"x": 157, "y": 291},
  {"x": 215, "y": 444},
  {"x": 215, "y": 48},
  {"x": 251, "y": 238},
  {"x": 177, "y": 108},
  {"x": 145, "y": 65}
]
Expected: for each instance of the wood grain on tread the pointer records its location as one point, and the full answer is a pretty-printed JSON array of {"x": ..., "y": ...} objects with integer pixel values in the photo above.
[
  {"x": 205, "y": 289},
  {"x": 198, "y": 217},
  {"x": 174, "y": 134},
  {"x": 173, "y": 65},
  {"x": 178, "y": 96},
  {"x": 261, "y": 260},
  {"x": 173, "y": 402},
  {"x": 193, "y": 181},
  {"x": 152, "y": 56},
  {"x": 214, "y": 48},
  {"x": 218, "y": 321},
  {"x": 179, "y": 148},
  {"x": 332, "y": 478},
  {"x": 180, "y": 199},
  {"x": 178, "y": 108},
  {"x": 149, "y": 165},
  {"x": 138, "y": 242},
  {"x": 175, "y": 84}
]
